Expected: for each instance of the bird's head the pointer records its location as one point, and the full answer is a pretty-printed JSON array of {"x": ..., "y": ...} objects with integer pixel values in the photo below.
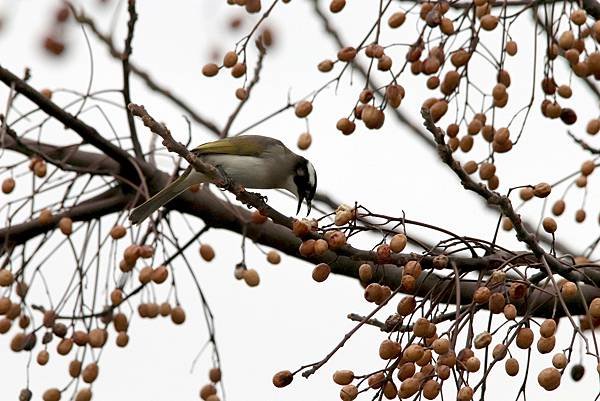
[{"x": 305, "y": 180}]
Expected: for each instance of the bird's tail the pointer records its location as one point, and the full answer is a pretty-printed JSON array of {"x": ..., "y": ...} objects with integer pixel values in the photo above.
[{"x": 144, "y": 210}]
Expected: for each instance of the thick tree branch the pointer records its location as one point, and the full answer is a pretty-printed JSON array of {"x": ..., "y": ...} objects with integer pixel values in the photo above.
[{"x": 67, "y": 158}]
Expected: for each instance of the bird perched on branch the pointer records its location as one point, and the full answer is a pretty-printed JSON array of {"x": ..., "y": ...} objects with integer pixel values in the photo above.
[{"x": 253, "y": 161}]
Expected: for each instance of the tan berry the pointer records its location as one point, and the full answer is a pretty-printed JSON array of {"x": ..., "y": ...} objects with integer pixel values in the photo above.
[
  {"x": 578, "y": 17},
  {"x": 593, "y": 126},
  {"x": 178, "y": 315},
  {"x": 548, "y": 328},
  {"x": 346, "y": 54},
  {"x": 337, "y": 5},
  {"x": 230, "y": 59},
  {"x": 335, "y": 239},
  {"x": 349, "y": 392},
  {"x": 398, "y": 243},
  {"x": 160, "y": 274},
  {"x": 489, "y": 22},
  {"x": 510, "y": 311},
  {"x": 413, "y": 352},
  {"x": 406, "y": 370},
  {"x": 52, "y": 394},
  {"x": 321, "y": 272},
  {"x": 482, "y": 340},
  {"x": 549, "y": 379},
  {"x": 210, "y": 70},
  {"x": 303, "y": 108},
  {"x": 465, "y": 394},
  {"x": 441, "y": 346},
  {"x": 325, "y": 66},
  {"x": 499, "y": 351},
  {"x": 122, "y": 339},
  {"x": 209, "y": 389},
  {"x": 560, "y": 360},
  {"x": 481, "y": 295},
  {"x": 320, "y": 246},
  {"x": 365, "y": 273},
  {"x": 373, "y": 117},
  {"x": 46, "y": 217},
  {"x": 511, "y": 48},
  {"x": 251, "y": 277},
  {"x": 343, "y": 377},
  {"x": 85, "y": 394},
  {"x": 214, "y": 375},
  {"x": 241, "y": 93},
  {"x": 558, "y": 208},
  {"x": 207, "y": 252},
  {"x": 238, "y": 70},
  {"x": 6, "y": 278},
  {"x": 273, "y": 257},
  {"x": 304, "y": 141},
  {"x": 542, "y": 190},
  {"x": 496, "y": 302},
  {"x": 587, "y": 167},
  {"x": 546, "y": 345},
  {"x": 389, "y": 349},
  {"x": 421, "y": 327},
  {"x": 64, "y": 346},
  {"x": 524, "y": 338},
  {"x": 409, "y": 387},
  {"x": 511, "y": 366},
  {"x": 396, "y": 19},
  {"x": 345, "y": 126},
  {"x": 406, "y": 306},
  {"x": 253, "y": 6},
  {"x": 118, "y": 232},
  {"x": 413, "y": 268},
  {"x": 568, "y": 290},
  {"x": 549, "y": 225},
  {"x": 8, "y": 185},
  {"x": 431, "y": 389},
  {"x": 90, "y": 372}
]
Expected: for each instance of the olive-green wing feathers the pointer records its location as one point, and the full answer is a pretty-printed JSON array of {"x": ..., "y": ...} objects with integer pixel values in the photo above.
[{"x": 248, "y": 145}]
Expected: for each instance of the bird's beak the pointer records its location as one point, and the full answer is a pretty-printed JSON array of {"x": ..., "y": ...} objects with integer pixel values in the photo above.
[{"x": 300, "y": 199}]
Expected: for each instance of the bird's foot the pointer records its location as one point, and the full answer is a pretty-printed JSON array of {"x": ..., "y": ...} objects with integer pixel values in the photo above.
[
  {"x": 263, "y": 198},
  {"x": 226, "y": 181}
]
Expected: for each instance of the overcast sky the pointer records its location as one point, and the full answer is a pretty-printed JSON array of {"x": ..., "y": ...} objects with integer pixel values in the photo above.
[{"x": 289, "y": 320}]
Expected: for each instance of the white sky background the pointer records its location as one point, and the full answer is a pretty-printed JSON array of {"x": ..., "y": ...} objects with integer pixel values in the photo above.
[{"x": 289, "y": 320}]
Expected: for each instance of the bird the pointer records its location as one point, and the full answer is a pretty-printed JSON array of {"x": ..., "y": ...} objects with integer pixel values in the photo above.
[{"x": 253, "y": 161}]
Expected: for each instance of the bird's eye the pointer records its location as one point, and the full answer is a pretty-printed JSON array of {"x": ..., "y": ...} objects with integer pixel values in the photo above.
[{"x": 300, "y": 172}]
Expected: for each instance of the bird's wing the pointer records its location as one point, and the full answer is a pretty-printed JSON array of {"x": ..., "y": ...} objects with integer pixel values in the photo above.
[{"x": 248, "y": 145}]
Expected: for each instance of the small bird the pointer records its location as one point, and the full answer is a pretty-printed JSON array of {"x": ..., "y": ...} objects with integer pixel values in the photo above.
[{"x": 253, "y": 161}]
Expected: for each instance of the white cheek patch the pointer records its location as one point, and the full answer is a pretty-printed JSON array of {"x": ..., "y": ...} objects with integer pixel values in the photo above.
[{"x": 312, "y": 175}]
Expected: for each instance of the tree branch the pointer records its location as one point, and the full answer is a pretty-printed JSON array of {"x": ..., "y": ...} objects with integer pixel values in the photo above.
[
  {"x": 137, "y": 147},
  {"x": 111, "y": 201},
  {"x": 86, "y": 132},
  {"x": 145, "y": 76},
  {"x": 67, "y": 158}
]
